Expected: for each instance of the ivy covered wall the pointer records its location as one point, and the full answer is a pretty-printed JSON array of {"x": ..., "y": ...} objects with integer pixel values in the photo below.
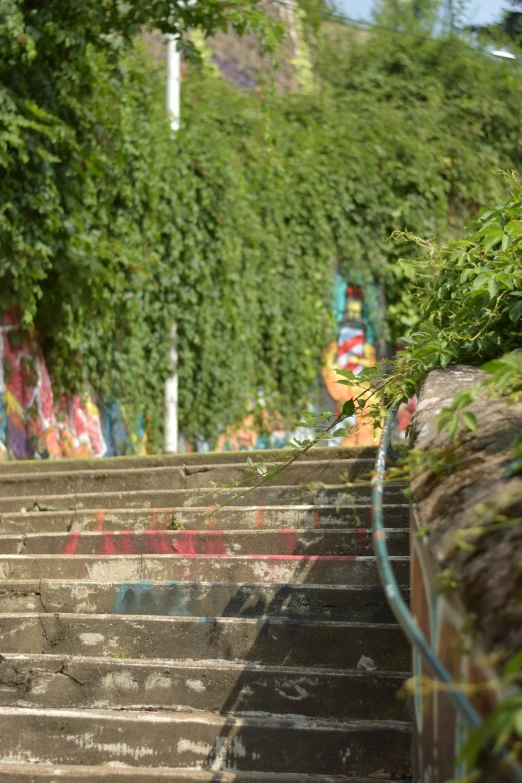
[{"x": 111, "y": 230}]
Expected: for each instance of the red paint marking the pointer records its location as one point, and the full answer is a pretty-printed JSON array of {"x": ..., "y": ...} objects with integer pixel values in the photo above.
[
  {"x": 317, "y": 519},
  {"x": 193, "y": 542},
  {"x": 71, "y": 543},
  {"x": 98, "y": 521},
  {"x": 287, "y": 541},
  {"x": 154, "y": 519},
  {"x": 127, "y": 542},
  {"x": 185, "y": 543},
  {"x": 379, "y": 535},
  {"x": 156, "y": 542},
  {"x": 210, "y": 520},
  {"x": 214, "y": 543},
  {"x": 260, "y": 518},
  {"x": 108, "y": 545},
  {"x": 304, "y": 558},
  {"x": 349, "y": 344}
]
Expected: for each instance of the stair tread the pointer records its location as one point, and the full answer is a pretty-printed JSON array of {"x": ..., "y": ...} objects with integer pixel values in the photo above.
[
  {"x": 203, "y": 665},
  {"x": 177, "y": 717},
  {"x": 73, "y": 773}
]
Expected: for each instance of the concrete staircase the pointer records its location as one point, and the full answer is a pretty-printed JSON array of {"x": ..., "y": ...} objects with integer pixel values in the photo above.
[{"x": 143, "y": 640}]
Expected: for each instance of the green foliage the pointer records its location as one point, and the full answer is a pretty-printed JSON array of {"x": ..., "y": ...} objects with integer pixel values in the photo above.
[
  {"x": 500, "y": 735},
  {"x": 111, "y": 230},
  {"x": 470, "y": 305},
  {"x": 440, "y": 119}
]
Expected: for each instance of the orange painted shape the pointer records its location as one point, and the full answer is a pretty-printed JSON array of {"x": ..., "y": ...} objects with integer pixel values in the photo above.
[
  {"x": 317, "y": 519},
  {"x": 260, "y": 518}
]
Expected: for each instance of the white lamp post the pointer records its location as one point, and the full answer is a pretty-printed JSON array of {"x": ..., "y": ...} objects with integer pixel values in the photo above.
[{"x": 171, "y": 386}]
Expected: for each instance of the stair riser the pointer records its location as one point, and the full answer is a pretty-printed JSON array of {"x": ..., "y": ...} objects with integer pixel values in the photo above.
[
  {"x": 230, "y": 518},
  {"x": 205, "y": 497},
  {"x": 47, "y": 773},
  {"x": 181, "y": 460},
  {"x": 289, "y": 541},
  {"x": 97, "y": 481},
  {"x": 334, "y": 570},
  {"x": 179, "y": 638},
  {"x": 81, "y": 684},
  {"x": 314, "y": 602},
  {"x": 156, "y": 741}
]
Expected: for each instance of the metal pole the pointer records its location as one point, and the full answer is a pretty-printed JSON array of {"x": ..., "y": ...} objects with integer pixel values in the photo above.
[
  {"x": 171, "y": 399},
  {"x": 171, "y": 386},
  {"x": 173, "y": 81}
]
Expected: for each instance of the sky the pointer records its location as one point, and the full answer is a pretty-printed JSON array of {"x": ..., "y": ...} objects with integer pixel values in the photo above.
[{"x": 479, "y": 11}]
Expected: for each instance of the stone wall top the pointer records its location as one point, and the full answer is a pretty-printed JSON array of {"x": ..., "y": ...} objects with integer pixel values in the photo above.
[{"x": 466, "y": 487}]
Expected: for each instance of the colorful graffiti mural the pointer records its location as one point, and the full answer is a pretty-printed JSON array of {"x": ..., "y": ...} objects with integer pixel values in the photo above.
[{"x": 32, "y": 423}]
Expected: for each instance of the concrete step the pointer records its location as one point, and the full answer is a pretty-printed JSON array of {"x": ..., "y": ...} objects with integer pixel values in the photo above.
[
  {"x": 273, "y": 641},
  {"x": 299, "y": 569},
  {"x": 230, "y": 518},
  {"x": 199, "y": 599},
  {"x": 205, "y": 497},
  {"x": 50, "y": 773},
  {"x": 53, "y": 681},
  {"x": 181, "y": 477},
  {"x": 204, "y": 741},
  {"x": 354, "y": 541},
  {"x": 173, "y": 460}
]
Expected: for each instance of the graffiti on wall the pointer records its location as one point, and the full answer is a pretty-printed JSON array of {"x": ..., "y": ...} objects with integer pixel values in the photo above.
[
  {"x": 353, "y": 349},
  {"x": 32, "y": 423}
]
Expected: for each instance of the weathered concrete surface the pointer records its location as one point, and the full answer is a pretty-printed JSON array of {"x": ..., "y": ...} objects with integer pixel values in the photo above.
[
  {"x": 266, "y": 640},
  {"x": 183, "y": 477},
  {"x": 298, "y": 569},
  {"x": 161, "y": 739},
  {"x": 256, "y": 639},
  {"x": 180, "y": 460},
  {"x": 290, "y": 541},
  {"x": 474, "y": 491},
  {"x": 52, "y": 681},
  {"x": 49, "y": 773},
  {"x": 198, "y": 599},
  {"x": 230, "y": 518},
  {"x": 206, "y": 497}
]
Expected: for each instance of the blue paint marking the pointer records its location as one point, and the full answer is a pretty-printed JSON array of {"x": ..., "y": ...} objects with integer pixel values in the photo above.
[{"x": 170, "y": 599}]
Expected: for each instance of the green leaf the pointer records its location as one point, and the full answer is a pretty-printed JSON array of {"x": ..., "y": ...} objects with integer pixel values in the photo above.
[
  {"x": 515, "y": 312},
  {"x": 492, "y": 287},
  {"x": 348, "y": 408},
  {"x": 517, "y": 722},
  {"x": 470, "y": 420},
  {"x": 514, "y": 665}
]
